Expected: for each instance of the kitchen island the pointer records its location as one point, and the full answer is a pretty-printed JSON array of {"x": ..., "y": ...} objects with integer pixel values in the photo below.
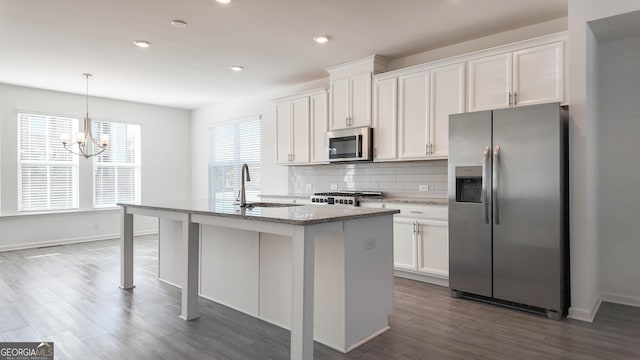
[{"x": 339, "y": 285}]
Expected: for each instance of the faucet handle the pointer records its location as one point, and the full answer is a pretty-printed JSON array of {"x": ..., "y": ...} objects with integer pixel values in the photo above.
[{"x": 238, "y": 197}]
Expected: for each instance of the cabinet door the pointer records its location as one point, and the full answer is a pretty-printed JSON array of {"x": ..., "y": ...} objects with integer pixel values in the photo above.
[
  {"x": 447, "y": 97},
  {"x": 413, "y": 112},
  {"x": 300, "y": 130},
  {"x": 404, "y": 244},
  {"x": 339, "y": 103},
  {"x": 538, "y": 74},
  {"x": 360, "y": 100},
  {"x": 433, "y": 246},
  {"x": 385, "y": 119},
  {"x": 318, "y": 137},
  {"x": 283, "y": 125},
  {"x": 490, "y": 82}
]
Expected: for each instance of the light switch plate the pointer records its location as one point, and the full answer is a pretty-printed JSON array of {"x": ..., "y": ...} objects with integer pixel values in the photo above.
[
  {"x": 334, "y": 186},
  {"x": 309, "y": 187},
  {"x": 423, "y": 187}
]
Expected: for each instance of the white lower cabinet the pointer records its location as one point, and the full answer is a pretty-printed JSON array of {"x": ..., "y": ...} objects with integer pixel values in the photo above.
[
  {"x": 433, "y": 248},
  {"x": 421, "y": 243},
  {"x": 405, "y": 255}
]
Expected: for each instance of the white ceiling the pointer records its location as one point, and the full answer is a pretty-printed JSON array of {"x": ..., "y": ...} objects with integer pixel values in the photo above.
[{"x": 49, "y": 43}]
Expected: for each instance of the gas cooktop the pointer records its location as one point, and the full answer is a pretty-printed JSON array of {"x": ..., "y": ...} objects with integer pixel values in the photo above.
[{"x": 344, "y": 197}]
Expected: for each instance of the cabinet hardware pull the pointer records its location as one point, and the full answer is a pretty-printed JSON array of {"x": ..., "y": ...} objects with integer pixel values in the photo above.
[
  {"x": 510, "y": 99},
  {"x": 415, "y": 212},
  {"x": 496, "y": 184},
  {"x": 515, "y": 98},
  {"x": 485, "y": 180}
]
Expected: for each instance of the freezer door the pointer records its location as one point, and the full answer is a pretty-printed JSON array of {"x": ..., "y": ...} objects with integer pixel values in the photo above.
[
  {"x": 469, "y": 212},
  {"x": 527, "y": 232}
]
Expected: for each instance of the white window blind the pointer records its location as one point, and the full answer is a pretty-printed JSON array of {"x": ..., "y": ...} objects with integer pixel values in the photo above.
[
  {"x": 47, "y": 173},
  {"x": 231, "y": 145},
  {"x": 117, "y": 169}
]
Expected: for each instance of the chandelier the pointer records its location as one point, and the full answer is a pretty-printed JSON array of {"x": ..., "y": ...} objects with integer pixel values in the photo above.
[{"x": 84, "y": 140}]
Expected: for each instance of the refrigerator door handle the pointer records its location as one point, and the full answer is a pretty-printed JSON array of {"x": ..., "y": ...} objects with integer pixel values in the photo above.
[
  {"x": 485, "y": 179},
  {"x": 496, "y": 181}
]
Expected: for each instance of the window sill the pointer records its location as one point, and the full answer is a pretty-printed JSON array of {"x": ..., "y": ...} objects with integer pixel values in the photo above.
[{"x": 54, "y": 213}]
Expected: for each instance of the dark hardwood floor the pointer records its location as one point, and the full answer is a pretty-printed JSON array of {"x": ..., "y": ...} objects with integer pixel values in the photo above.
[{"x": 69, "y": 294}]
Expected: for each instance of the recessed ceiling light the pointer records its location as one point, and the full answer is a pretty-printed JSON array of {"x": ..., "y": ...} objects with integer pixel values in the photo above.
[
  {"x": 322, "y": 39},
  {"x": 142, "y": 43},
  {"x": 179, "y": 23},
  {"x": 236, "y": 68},
  {"x": 223, "y": 1}
]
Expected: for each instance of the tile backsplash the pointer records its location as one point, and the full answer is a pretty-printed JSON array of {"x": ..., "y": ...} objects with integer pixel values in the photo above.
[{"x": 393, "y": 178}]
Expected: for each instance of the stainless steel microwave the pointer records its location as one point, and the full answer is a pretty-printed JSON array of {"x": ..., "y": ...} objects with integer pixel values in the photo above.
[{"x": 350, "y": 144}]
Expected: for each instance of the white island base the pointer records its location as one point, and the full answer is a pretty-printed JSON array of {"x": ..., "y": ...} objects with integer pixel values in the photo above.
[{"x": 252, "y": 270}]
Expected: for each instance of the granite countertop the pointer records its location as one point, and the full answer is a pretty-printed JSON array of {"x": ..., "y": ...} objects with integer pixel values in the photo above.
[
  {"x": 409, "y": 200},
  {"x": 292, "y": 215}
]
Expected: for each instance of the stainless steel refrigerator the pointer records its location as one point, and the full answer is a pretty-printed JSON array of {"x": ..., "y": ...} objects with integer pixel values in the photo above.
[{"x": 508, "y": 207}]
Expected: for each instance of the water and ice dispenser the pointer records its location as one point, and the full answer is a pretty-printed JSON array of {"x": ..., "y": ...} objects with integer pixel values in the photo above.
[{"x": 469, "y": 184}]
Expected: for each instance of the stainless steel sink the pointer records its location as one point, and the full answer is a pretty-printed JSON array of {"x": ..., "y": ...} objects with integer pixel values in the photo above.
[{"x": 267, "y": 204}]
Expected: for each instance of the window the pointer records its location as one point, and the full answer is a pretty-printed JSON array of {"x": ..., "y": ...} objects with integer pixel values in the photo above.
[
  {"x": 117, "y": 170},
  {"x": 47, "y": 173},
  {"x": 232, "y": 144}
]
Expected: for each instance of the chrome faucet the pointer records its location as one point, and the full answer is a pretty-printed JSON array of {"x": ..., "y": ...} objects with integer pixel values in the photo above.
[{"x": 243, "y": 197}]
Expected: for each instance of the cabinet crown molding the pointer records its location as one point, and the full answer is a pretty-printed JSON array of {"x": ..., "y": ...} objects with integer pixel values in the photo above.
[
  {"x": 311, "y": 92},
  {"x": 372, "y": 63},
  {"x": 510, "y": 47}
]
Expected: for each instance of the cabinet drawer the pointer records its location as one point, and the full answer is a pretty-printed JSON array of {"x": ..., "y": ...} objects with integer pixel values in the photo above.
[{"x": 435, "y": 212}]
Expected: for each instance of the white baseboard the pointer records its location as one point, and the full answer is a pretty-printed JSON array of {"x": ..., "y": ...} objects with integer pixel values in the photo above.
[
  {"x": 71, "y": 240},
  {"x": 621, "y": 299},
  {"x": 172, "y": 284},
  {"x": 585, "y": 314},
  {"x": 422, "y": 277}
]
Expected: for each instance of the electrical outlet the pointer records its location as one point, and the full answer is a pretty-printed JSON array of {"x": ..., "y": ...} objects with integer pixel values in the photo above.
[
  {"x": 423, "y": 187},
  {"x": 309, "y": 187},
  {"x": 334, "y": 186},
  {"x": 369, "y": 244}
]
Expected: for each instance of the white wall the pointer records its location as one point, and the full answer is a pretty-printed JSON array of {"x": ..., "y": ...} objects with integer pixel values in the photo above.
[
  {"x": 165, "y": 171},
  {"x": 618, "y": 127},
  {"x": 583, "y": 137}
]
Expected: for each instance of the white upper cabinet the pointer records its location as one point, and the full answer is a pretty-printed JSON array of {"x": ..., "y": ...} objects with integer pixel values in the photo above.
[
  {"x": 490, "y": 82},
  {"x": 351, "y": 101},
  {"x": 301, "y": 125},
  {"x": 447, "y": 97},
  {"x": 283, "y": 132},
  {"x": 425, "y": 99},
  {"x": 319, "y": 121},
  {"x": 538, "y": 74},
  {"x": 523, "y": 77},
  {"x": 339, "y": 112},
  {"x": 360, "y": 96},
  {"x": 385, "y": 119},
  {"x": 413, "y": 115},
  {"x": 350, "y": 93},
  {"x": 300, "y": 130}
]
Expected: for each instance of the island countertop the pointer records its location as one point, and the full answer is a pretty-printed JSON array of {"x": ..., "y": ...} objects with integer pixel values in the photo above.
[{"x": 292, "y": 215}]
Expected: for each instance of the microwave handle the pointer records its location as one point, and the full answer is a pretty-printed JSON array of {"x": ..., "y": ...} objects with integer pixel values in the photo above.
[{"x": 358, "y": 153}]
